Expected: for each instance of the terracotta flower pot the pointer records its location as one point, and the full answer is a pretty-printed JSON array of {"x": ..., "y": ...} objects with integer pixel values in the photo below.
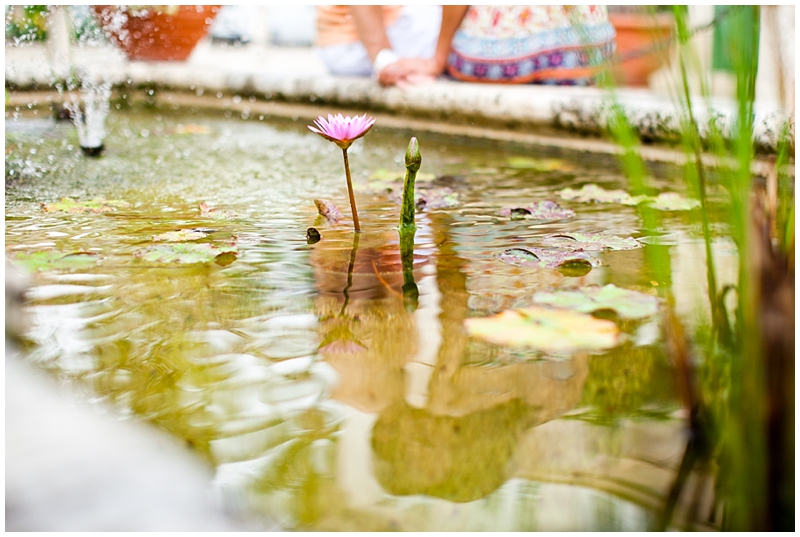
[
  {"x": 145, "y": 33},
  {"x": 637, "y": 32}
]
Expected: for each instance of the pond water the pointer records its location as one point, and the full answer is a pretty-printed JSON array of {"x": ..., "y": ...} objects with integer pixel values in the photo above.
[{"x": 324, "y": 393}]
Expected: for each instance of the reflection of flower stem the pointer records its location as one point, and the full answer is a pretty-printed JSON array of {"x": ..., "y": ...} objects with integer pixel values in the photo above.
[
  {"x": 410, "y": 290},
  {"x": 346, "y": 292},
  {"x": 350, "y": 192}
]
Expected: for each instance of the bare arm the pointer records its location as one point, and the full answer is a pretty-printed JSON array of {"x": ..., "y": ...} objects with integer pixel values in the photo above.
[
  {"x": 370, "y": 28},
  {"x": 451, "y": 20},
  {"x": 396, "y": 72}
]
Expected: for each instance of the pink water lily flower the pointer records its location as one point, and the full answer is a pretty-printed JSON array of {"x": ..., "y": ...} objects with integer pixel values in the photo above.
[{"x": 342, "y": 130}]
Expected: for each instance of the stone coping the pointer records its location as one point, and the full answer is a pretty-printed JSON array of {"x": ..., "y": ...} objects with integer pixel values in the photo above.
[{"x": 296, "y": 75}]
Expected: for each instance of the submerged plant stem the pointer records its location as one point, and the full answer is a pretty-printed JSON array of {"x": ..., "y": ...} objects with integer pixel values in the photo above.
[{"x": 350, "y": 192}]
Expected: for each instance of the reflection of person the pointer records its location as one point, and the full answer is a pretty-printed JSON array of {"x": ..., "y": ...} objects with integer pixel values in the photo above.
[
  {"x": 456, "y": 458},
  {"x": 514, "y": 44},
  {"x": 361, "y": 40}
]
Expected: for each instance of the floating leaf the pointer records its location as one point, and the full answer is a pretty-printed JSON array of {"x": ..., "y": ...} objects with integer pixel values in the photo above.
[
  {"x": 187, "y": 253},
  {"x": 541, "y": 210},
  {"x": 69, "y": 205},
  {"x": 541, "y": 165},
  {"x": 382, "y": 175},
  {"x": 181, "y": 235},
  {"x": 592, "y": 193},
  {"x": 542, "y": 258},
  {"x": 327, "y": 209},
  {"x": 628, "y": 304},
  {"x": 209, "y": 212},
  {"x": 672, "y": 201},
  {"x": 54, "y": 260},
  {"x": 590, "y": 242},
  {"x": 191, "y": 128},
  {"x": 546, "y": 330},
  {"x": 436, "y": 198}
]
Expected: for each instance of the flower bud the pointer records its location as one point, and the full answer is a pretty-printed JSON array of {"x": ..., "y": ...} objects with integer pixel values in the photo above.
[{"x": 413, "y": 156}]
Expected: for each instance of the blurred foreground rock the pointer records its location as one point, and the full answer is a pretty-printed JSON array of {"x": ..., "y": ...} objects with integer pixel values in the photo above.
[{"x": 68, "y": 468}]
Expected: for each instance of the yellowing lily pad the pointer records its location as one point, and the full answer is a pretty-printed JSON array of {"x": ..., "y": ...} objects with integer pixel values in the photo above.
[
  {"x": 180, "y": 235},
  {"x": 628, "y": 304},
  {"x": 69, "y": 205},
  {"x": 546, "y": 330},
  {"x": 592, "y": 193},
  {"x": 54, "y": 260},
  {"x": 543, "y": 258},
  {"x": 541, "y": 210},
  {"x": 188, "y": 253},
  {"x": 672, "y": 201},
  {"x": 590, "y": 242},
  {"x": 541, "y": 165}
]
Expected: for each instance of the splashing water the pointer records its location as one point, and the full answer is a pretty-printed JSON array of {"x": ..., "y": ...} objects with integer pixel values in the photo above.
[{"x": 89, "y": 109}]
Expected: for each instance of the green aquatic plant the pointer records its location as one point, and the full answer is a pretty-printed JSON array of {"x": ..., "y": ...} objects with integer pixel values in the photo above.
[
  {"x": 343, "y": 131},
  {"x": 413, "y": 163},
  {"x": 731, "y": 370}
]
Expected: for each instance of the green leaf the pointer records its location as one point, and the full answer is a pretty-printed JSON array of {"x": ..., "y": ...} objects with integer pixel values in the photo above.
[
  {"x": 54, "y": 260},
  {"x": 180, "y": 235},
  {"x": 543, "y": 258},
  {"x": 590, "y": 242},
  {"x": 546, "y": 210},
  {"x": 187, "y": 253},
  {"x": 382, "y": 175},
  {"x": 672, "y": 201},
  {"x": 546, "y": 330},
  {"x": 69, "y": 205},
  {"x": 436, "y": 198},
  {"x": 592, "y": 193},
  {"x": 628, "y": 304},
  {"x": 217, "y": 214},
  {"x": 541, "y": 165}
]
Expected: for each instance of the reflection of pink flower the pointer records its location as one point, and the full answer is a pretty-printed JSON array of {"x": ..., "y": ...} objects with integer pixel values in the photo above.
[{"x": 342, "y": 130}]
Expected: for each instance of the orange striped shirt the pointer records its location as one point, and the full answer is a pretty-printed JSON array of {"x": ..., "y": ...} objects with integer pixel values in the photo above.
[{"x": 335, "y": 24}]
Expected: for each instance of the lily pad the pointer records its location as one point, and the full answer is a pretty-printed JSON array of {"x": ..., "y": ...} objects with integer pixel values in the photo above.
[
  {"x": 591, "y": 193},
  {"x": 187, "y": 253},
  {"x": 628, "y": 304},
  {"x": 69, "y": 205},
  {"x": 593, "y": 242},
  {"x": 436, "y": 198},
  {"x": 546, "y": 330},
  {"x": 181, "y": 235},
  {"x": 543, "y": 258},
  {"x": 191, "y": 128},
  {"x": 54, "y": 260},
  {"x": 218, "y": 214},
  {"x": 327, "y": 209},
  {"x": 541, "y": 165},
  {"x": 383, "y": 175},
  {"x": 541, "y": 210},
  {"x": 672, "y": 201}
]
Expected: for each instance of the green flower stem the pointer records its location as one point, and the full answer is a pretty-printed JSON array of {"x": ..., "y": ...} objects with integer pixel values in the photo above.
[
  {"x": 413, "y": 163},
  {"x": 350, "y": 191}
]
